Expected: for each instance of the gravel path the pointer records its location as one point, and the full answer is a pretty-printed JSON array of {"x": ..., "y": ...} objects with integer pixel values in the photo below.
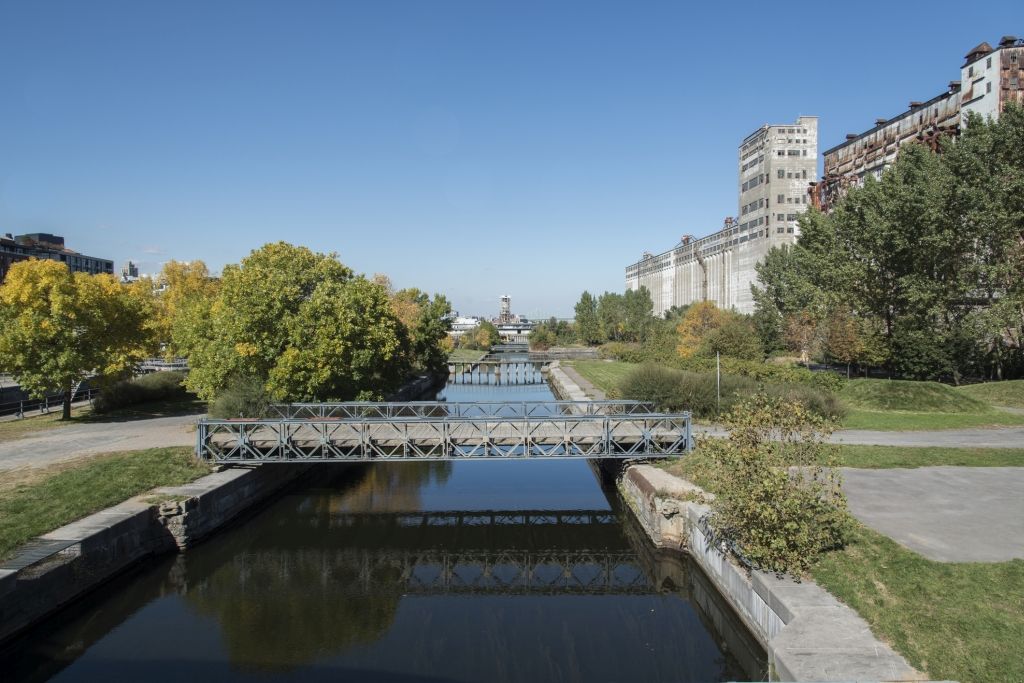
[
  {"x": 67, "y": 443},
  {"x": 949, "y": 514}
]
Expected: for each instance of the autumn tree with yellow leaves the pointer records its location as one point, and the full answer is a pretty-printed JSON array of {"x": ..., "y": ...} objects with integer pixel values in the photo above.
[{"x": 58, "y": 328}]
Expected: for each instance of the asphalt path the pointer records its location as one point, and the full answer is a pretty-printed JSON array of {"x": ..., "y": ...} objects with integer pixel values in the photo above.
[{"x": 59, "y": 444}]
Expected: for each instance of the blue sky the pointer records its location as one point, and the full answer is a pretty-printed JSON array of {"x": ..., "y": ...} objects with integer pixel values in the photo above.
[{"x": 470, "y": 148}]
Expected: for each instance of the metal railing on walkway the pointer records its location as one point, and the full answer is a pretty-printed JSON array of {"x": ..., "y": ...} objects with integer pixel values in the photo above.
[
  {"x": 44, "y": 405},
  {"x": 388, "y": 411},
  {"x": 601, "y": 436}
]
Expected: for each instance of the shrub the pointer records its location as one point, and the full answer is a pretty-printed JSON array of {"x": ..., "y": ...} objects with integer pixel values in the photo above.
[
  {"x": 674, "y": 390},
  {"x": 778, "y": 499},
  {"x": 242, "y": 397},
  {"x": 627, "y": 353},
  {"x": 818, "y": 401},
  {"x": 157, "y": 386}
]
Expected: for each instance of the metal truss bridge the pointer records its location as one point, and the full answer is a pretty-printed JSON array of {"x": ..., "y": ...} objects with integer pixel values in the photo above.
[{"x": 376, "y": 432}]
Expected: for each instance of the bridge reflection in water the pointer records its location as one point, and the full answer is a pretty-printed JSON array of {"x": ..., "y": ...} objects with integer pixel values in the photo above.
[
  {"x": 415, "y": 547},
  {"x": 353, "y": 574}
]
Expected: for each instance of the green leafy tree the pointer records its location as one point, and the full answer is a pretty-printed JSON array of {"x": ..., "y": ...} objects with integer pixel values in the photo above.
[
  {"x": 734, "y": 338},
  {"x": 58, "y": 328},
  {"x": 302, "y": 325},
  {"x": 588, "y": 324},
  {"x": 611, "y": 312},
  {"x": 344, "y": 343}
]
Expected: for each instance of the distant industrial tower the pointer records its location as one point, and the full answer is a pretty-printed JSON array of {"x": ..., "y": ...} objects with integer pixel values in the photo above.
[{"x": 505, "y": 314}]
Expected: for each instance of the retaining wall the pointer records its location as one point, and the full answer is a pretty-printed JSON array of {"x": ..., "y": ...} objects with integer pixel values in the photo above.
[
  {"x": 808, "y": 634},
  {"x": 106, "y": 543}
]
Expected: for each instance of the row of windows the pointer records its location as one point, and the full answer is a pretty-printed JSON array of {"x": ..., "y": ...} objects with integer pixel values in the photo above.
[
  {"x": 786, "y": 216},
  {"x": 783, "y": 174},
  {"x": 792, "y": 152},
  {"x": 754, "y": 182},
  {"x": 747, "y": 208},
  {"x": 752, "y": 164},
  {"x": 783, "y": 199},
  {"x": 791, "y": 131}
]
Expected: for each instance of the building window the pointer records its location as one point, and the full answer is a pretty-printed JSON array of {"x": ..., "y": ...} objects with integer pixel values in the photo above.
[
  {"x": 789, "y": 230},
  {"x": 780, "y": 216},
  {"x": 805, "y": 152},
  {"x": 988, "y": 87},
  {"x": 780, "y": 229},
  {"x": 805, "y": 174},
  {"x": 782, "y": 174},
  {"x": 970, "y": 72},
  {"x": 988, "y": 63},
  {"x": 782, "y": 200}
]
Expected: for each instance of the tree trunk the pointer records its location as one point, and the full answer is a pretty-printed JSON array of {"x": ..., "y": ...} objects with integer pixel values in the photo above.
[{"x": 66, "y": 413}]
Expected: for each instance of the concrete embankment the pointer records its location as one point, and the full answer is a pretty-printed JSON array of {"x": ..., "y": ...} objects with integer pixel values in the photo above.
[
  {"x": 807, "y": 633},
  {"x": 66, "y": 563},
  {"x": 97, "y": 548}
]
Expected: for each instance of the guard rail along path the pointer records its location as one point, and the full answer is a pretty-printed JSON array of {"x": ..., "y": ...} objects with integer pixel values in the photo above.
[{"x": 364, "y": 432}]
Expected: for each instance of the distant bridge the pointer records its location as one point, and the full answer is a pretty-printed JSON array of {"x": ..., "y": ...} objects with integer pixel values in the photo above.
[
  {"x": 497, "y": 372},
  {"x": 547, "y": 433}
]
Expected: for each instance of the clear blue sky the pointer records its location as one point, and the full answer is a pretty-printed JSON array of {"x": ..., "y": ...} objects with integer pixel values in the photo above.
[{"x": 471, "y": 148}]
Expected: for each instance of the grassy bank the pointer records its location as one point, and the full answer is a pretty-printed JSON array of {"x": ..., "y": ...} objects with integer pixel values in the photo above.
[
  {"x": 958, "y": 621},
  {"x": 466, "y": 355},
  {"x": 38, "y": 501},
  {"x": 605, "y": 375},
  {"x": 905, "y": 420},
  {"x": 1009, "y": 393}
]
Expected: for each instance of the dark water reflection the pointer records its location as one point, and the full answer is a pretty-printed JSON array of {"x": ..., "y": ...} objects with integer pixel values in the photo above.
[{"x": 521, "y": 571}]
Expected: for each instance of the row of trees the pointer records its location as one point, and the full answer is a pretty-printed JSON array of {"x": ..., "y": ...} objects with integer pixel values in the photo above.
[
  {"x": 921, "y": 270},
  {"x": 299, "y": 324}
]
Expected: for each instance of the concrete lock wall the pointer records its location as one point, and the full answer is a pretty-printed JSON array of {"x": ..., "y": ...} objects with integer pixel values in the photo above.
[{"x": 808, "y": 634}]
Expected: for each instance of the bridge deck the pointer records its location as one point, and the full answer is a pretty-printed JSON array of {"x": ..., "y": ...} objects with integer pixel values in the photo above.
[{"x": 444, "y": 438}]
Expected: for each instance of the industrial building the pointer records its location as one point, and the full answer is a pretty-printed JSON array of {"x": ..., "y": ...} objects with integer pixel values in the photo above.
[
  {"x": 43, "y": 245},
  {"x": 776, "y": 163},
  {"x": 989, "y": 79}
]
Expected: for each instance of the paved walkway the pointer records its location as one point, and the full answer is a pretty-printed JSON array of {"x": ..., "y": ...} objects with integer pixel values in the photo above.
[
  {"x": 68, "y": 443},
  {"x": 950, "y": 514}
]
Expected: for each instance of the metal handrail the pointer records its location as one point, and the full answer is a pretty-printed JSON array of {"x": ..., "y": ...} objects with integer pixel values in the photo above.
[
  {"x": 46, "y": 404},
  {"x": 444, "y": 438},
  {"x": 479, "y": 409}
]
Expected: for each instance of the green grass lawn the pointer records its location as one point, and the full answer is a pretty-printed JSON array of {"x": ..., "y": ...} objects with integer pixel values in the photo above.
[
  {"x": 57, "y": 496},
  {"x": 918, "y": 397},
  {"x": 463, "y": 355},
  {"x": 16, "y": 429},
  {"x": 894, "y": 420},
  {"x": 877, "y": 457},
  {"x": 605, "y": 375},
  {"x": 1009, "y": 393},
  {"x": 957, "y": 621}
]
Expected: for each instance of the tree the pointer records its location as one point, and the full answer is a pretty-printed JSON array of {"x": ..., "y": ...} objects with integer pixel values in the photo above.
[
  {"x": 185, "y": 292},
  {"x": 734, "y": 338},
  {"x": 612, "y": 315},
  {"x": 588, "y": 325},
  {"x": 265, "y": 314},
  {"x": 802, "y": 334},
  {"x": 344, "y": 343},
  {"x": 58, "y": 328},
  {"x": 487, "y": 335},
  {"x": 700, "y": 319},
  {"x": 842, "y": 337},
  {"x": 639, "y": 309}
]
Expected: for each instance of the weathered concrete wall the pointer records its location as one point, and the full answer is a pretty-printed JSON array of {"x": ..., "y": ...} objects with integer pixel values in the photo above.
[
  {"x": 111, "y": 540},
  {"x": 808, "y": 634}
]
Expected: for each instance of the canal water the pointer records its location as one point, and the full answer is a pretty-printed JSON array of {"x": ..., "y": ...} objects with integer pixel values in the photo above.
[{"x": 400, "y": 572}]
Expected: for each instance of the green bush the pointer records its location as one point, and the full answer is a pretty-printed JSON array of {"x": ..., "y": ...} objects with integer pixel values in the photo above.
[
  {"x": 627, "y": 353},
  {"x": 778, "y": 500},
  {"x": 156, "y": 386},
  {"x": 242, "y": 397},
  {"x": 675, "y": 390},
  {"x": 818, "y": 401}
]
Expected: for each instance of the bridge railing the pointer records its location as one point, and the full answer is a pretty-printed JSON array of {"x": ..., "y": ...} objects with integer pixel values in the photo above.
[
  {"x": 444, "y": 438},
  {"x": 389, "y": 411}
]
